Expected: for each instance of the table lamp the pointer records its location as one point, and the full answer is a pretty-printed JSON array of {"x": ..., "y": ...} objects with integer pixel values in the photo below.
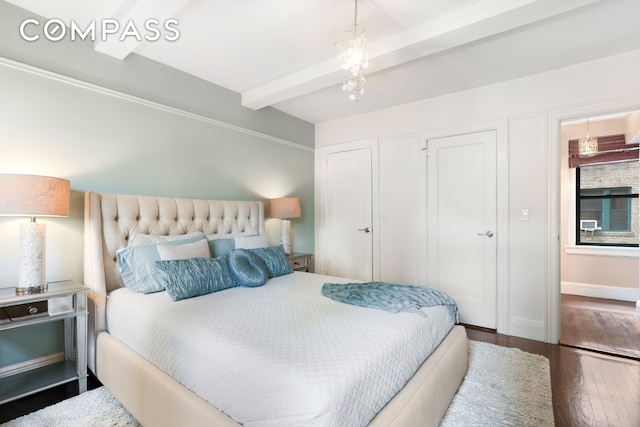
[
  {"x": 285, "y": 208},
  {"x": 32, "y": 196}
]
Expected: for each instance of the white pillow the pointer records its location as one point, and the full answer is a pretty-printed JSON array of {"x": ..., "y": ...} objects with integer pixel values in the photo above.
[
  {"x": 152, "y": 239},
  {"x": 251, "y": 242},
  {"x": 199, "y": 249}
]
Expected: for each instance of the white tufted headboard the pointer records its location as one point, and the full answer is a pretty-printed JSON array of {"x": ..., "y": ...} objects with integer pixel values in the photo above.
[{"x": 110, "y": 219}]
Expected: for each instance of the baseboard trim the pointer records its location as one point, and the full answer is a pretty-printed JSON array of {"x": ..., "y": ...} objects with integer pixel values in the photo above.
[
  {"x": 599, "y": 291},
  {"x": 525, "y": 328},
  {"x": 28, "y": 365}
]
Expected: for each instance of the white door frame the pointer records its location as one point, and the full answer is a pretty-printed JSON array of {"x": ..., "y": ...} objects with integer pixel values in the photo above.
[
  {"x": 321, "y": 159},
  {"x": 555, "y": 117},
  {"x": 502, "y": 209}
]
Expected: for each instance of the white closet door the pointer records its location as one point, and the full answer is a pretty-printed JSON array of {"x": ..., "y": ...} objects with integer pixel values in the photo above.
[
  {"x": 349, "y": 214},
  {"x": 461, "y": 225}
]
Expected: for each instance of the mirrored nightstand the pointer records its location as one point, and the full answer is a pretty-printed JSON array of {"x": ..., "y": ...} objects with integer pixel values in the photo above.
[
  {"x": 301, "y": 262},
  {"x": 66, "y": 301}
]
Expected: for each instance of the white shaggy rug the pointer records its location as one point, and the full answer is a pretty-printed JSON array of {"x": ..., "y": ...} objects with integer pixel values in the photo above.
[
  {"x": 94, "y": 408},
  {"x": 504, "y": 387}
]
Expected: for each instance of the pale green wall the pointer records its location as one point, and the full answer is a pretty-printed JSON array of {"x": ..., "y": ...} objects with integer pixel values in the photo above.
[
  {"x": 179, "y": 144},
  {"x": 137, "y": 75}
]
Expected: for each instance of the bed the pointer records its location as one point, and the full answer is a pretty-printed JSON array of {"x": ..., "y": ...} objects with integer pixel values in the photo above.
[{"x": 156, "y": 387}]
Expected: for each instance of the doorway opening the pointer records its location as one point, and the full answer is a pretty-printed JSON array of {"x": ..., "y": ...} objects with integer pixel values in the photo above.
[{"x": 600, "y": 229}]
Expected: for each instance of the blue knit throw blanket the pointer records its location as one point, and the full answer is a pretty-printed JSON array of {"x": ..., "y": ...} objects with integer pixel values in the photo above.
[{"x": 390, "y": 297}]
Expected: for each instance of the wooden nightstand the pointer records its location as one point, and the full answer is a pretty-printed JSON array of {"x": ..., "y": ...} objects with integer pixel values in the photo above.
[
  {"x": 301, "y": 262},
  {"x": 66, "y": 301}
]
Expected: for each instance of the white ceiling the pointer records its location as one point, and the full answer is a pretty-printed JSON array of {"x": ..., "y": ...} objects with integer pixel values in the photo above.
[{"x": 281, "y": 53}]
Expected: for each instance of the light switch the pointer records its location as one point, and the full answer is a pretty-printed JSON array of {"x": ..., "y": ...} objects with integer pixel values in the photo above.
[{"x": 524, "y": 215}]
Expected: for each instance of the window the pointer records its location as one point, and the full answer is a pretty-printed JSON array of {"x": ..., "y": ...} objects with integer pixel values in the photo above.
[
  {"x": 607, "y": 204},
  {"x": 607, "y": 184}
]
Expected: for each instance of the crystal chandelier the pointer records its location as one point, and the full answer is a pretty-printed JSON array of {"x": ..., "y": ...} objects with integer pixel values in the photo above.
[
  {"x": 353, "y": 51},
  {"x": 587, "y": 146}
]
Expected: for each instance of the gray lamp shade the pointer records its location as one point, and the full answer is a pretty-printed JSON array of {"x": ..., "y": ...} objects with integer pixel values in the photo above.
[
  {"x": 33, "y": 195},
  {"x": 285, "y": 208}
]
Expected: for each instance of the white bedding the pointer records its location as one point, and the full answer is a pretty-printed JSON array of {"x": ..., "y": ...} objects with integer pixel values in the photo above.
[{"x": 281, "y": 354}]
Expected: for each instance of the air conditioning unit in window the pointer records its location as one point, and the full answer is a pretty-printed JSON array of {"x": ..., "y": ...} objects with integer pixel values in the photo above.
[{"x": 589, "y": 225}]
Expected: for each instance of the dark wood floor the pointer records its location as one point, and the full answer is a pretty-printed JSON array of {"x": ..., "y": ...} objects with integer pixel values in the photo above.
[
  {"x": 589, "y": 388},
  {"x": 602, "y": 325},
  {"x": 595, "y": 377}
]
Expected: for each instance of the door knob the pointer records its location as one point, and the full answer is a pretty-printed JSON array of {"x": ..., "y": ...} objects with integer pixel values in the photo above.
[
  {"x": 366, "y": 229},
  {"x": 488, "y": 233}
]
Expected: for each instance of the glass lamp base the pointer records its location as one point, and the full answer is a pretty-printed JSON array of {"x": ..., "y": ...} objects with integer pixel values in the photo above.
[
  {"x": 31, "y": 274},
  {"x": 31, "y": 290},
  {"x": 285, "y": 236}
]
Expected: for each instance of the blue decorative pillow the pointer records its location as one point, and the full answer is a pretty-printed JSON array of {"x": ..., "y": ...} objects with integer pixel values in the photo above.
[
  {"x": 247, "y": 268},
  {"x": 136, "y": 265},
  {"x": 221, "y": 247},
  {"x": 192, "y": 277},
  {"x": 275, "y": 259}
]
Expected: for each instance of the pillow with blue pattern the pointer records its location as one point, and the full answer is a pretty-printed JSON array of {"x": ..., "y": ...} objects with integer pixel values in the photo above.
[
  {"x": 192, "y": 277},
  {"x": 275, "y": 259}
]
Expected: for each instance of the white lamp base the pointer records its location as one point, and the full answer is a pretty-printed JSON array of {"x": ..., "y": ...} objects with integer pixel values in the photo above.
[
  {"x": 285, "y": 236},
  {"x": 31, "y": 278}
]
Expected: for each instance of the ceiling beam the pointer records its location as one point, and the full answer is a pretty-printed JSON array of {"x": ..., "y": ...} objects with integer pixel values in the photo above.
[{"x": 481, "y": 20}]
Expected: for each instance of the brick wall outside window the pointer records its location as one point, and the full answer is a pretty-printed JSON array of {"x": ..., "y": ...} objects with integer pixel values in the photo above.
[{"x": 613, "y": 175}]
